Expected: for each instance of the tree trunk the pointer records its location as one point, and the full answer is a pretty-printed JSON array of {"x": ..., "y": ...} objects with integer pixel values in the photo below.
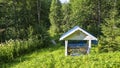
[
  {"x": 38, "y": 9},
  {"x": 99, "y": 16}
]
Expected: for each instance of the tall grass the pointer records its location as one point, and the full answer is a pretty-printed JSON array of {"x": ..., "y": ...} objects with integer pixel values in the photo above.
[
  {"x": 54, "y": 58},
  {"x": 13, "y": 48}
]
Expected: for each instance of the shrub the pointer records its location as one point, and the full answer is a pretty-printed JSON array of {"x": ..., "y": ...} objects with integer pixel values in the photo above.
[
  {"x": 13, "y": 48},
  {"x": 108, "y": 45}
]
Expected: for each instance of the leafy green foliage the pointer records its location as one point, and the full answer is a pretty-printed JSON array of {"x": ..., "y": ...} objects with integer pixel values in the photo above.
[
  {"x": 17, "y": 16},
  {"x": 55, "y": 18},
  {"x": 27, "y": 23},
  {"x": 65, "y": 24},
  {"x": 13, "y": 48},
  {"x": 53, "y": 57},
  {"x": 83, "y": 13},
  {"x": 110, "y": 32}
]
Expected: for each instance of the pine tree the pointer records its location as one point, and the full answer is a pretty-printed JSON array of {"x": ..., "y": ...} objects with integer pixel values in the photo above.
[
  {"x": 55, "y": 18},
  {"x": 83, "y": 13},
  {"x": 111, "y": 32},
  {"x": 65, "y": 17}
]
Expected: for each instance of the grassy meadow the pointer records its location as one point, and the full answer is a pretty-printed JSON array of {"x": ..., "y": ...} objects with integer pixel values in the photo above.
[
  {"x": 53, "y": 57},
  {"x": 28, "y": 28}
]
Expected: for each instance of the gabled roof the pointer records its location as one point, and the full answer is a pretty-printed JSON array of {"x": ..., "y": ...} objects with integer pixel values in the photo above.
[{"x": 76, "y": 28}]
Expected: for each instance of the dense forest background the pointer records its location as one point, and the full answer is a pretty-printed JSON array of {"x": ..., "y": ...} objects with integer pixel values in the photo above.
[{"x": 30, "y": 24}]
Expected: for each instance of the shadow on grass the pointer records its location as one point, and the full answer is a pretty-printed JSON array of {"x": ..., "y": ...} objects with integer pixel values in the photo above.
[{"x": 25, "y": 57}]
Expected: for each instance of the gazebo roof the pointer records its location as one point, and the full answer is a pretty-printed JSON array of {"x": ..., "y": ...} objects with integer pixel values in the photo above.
[{"x": 77, "y": 28}]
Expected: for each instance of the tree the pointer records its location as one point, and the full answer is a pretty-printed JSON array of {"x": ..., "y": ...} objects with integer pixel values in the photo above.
[
  {"x": 66, "y": 10},
  {"x": 20, "y": 17},
  {"x": 84, "y": 13},
  {"x": 55, "y": 18},
  {"x": 111, "y": 32}
]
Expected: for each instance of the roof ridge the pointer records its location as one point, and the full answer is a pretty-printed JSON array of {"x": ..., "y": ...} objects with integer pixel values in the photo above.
[{"x": 71, "y": 31}]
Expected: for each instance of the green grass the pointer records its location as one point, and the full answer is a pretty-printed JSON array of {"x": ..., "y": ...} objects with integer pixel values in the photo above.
[{"x": 53, "y": 57}]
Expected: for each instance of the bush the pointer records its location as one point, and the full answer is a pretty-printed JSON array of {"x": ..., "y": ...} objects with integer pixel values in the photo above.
[
  {"x": 13, "y": 48},
  {"x": 109, "y": 45}
]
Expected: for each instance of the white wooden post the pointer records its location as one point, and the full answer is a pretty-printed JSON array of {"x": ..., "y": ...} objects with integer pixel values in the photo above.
[
  {"x": 66, "y": 44},
  {"x": 89, "y": 46},
  {"x": 89, "y": 43}
]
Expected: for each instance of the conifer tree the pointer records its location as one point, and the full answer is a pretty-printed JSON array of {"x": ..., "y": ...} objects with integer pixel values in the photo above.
[
  {"x": 55, "y": 18},
  {"x": 65, "y": 17},
  {"x": 83, "y": 13},
  {"x": 111, "y": 32}
]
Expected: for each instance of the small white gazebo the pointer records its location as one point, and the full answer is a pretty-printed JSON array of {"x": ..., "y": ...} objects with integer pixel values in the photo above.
[{"x": 77, "y": 33}]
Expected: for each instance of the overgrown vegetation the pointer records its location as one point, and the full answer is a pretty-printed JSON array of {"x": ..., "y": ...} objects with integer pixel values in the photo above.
[
  {"x": 27, "y": 25},
  {"x": 23, "y": 27},
  {"x": 53, "y": 57},
  {"x": 14, "y": 48}
]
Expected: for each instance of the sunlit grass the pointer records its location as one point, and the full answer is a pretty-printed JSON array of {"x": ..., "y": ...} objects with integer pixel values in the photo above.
[{"x": 53, "y": 57}]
